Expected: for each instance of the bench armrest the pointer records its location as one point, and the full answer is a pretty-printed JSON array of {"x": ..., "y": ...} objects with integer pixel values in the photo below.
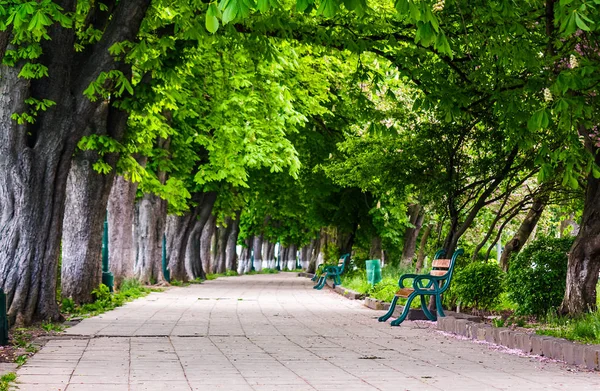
[{"x": 432, "y": 282}]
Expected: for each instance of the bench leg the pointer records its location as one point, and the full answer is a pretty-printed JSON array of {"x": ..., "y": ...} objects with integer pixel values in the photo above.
[
  {"x": 337, "y": 280},
  {"x": 321, "y": 283},
  {"x": 438, "y": 305},
  {"x": 426, "y": 311},
  {"x": 390, "y": 311},
  {"x": 404, "y": 312}
]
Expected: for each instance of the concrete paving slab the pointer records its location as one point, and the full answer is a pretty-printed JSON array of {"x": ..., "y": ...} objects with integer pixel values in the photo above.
[{"x": 274, "y": 332}]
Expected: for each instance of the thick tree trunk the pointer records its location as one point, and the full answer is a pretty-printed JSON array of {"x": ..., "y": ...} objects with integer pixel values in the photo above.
[
  {"x": 269, "y": 253},
  {"x": 411, "y": 234},
  {"x": 245, "y": 264},
  {"x": 35, "y": 158},
  {"x": 291, "y": 256},
  {"x": 422, "y": 246},
  {"x": 230, "y": 252},
  {"x": 569, "y": 221},
  {"x": 150, "y": 219},
  {"x": 180, "y": 230},
  {"x": 258, "y": 255},
  {"x": 314, "y": 256},
  {"x": 121, "y": 250},
  {"x": 34, "y": 165},
  {"x": 206, "y": 239},
  {"x": 305, "y": 255},
  {"x": 221, "y": 248},
  {"x": 527, "y": 225},
  {"x": 87, "y": 198},
  {"x": 375, "y": 250},
  {"x": 584, "y": 257}
]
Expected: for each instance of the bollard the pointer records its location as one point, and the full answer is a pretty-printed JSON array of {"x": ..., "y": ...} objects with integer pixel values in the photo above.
[
  {"x": 107, "y": 277},
  {"x": 3, "y": 320},
  {"x": 165, "y": 270}
]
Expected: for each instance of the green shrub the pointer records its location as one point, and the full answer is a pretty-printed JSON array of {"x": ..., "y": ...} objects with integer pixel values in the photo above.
[
  {"x": 537, "y": 275},
  {"x": 479, "y": 285}
]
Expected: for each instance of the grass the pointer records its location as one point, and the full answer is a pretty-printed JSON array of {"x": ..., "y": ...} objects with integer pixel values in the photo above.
[
  {"x": 585, "y": 328},
  {"x": 105, "y": 301},
  {"x": 6, "y": 379},
  {"x": 384, "y": 290}
]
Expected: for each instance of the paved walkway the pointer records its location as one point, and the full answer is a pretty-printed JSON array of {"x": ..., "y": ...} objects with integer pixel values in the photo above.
[{"x": 273, "y": 332}]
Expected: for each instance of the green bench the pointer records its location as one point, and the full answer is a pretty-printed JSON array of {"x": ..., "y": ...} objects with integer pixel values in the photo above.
[
  {"x": 434, "y": 284},
  {"x": 331, "y": 271}
]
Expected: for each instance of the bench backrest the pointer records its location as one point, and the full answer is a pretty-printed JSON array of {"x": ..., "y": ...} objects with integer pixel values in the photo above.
[
  {"x": 444, "y": 267},
  {"x": 342, "y": 262}
]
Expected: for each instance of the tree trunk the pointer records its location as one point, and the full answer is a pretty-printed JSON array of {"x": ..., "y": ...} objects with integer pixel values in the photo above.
[
  {"x": 584, "y": 257},
  {"x": 527, "y": 225},
  {"x": 411, "y": 234},
  {"x": 569, "y": 221},
  {"x": 223, "y": 233},
  {"x": 291, "y": 256},
  {"x": 150, "y": 219},
  {"x": 375, "y": 250},
  {"x": 269, "y": 253},
  {"x": 314, "y": 256},
  {"x": 35, "y": 158},
  {"x": 178, "y": 230},
  {"x": 87, "y": 198},
  {"x": 121, "y": 250},
  {"x": 230, "y": 252},
  {"x": 206, "y": 244},
  {"x": 422, "y": 246},
  {"x": 34, "y": 166},
  {"x": 193, "y": 259},
  {"x": 258, "y": 255},
  {"x": 245, "y": 265}
]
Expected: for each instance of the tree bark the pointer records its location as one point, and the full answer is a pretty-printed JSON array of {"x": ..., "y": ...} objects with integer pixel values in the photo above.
[
  {"x": 87, "y": 198},
  {"x": 375, "y": 250},
  {"x": 312, "y": 264},
  {"x": 269, "y": 252},
  {"x": 411, "y": 234},
  {"x": 258, "y": 255},
  {"x": 150, "y": 219},
  {"x": 584, "y": 257},
  {"x": 291, "y": 256},
  {"x": 121, "y": 206},
  {"x": 568, "y": 221},
  {"x": 230, "y": 253},
  {"x": 422, "y": 246},
  {"x": 35, "y": 158},
  {"x": 206, "y": 244},
  {"x": 245, "y": 264},
  {"x": 223, "y": 233},
  {"x": 527, "y": 225}
]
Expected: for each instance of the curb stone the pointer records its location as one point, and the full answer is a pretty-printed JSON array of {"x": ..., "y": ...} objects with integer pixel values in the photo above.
[{"x": 555, "y": 348}]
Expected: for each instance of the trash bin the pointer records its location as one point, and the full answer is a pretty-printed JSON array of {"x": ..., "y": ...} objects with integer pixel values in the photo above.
[{"x": 373, "y": 271}]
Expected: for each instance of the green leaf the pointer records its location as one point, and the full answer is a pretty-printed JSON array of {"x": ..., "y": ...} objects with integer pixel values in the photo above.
[
  {"x": 212, "y": 22},
  {"x": 263, "y": 5},
  {"x": 328, "y": 8},
  {"x": 580, "y": 23}
]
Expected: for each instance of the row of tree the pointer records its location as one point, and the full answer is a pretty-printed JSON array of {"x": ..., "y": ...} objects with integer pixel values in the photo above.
[{"x": 328, "y": 126}]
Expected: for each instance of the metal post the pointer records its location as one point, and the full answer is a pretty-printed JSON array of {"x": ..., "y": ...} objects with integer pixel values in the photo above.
[
  {"x": 165, "y": 270},
  {"x": 107, "y": 277},
  {"x": 3, "y": 320}
]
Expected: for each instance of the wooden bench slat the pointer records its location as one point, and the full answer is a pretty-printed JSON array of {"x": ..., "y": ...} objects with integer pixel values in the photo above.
[
  {"x": 438, "y": 272},
  {"x": 441, "y": 263},
  {"x": 404, "y": 292}
]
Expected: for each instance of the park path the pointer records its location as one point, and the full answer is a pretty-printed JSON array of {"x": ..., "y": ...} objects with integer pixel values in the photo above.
[{"x": 274, "y": 332}]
